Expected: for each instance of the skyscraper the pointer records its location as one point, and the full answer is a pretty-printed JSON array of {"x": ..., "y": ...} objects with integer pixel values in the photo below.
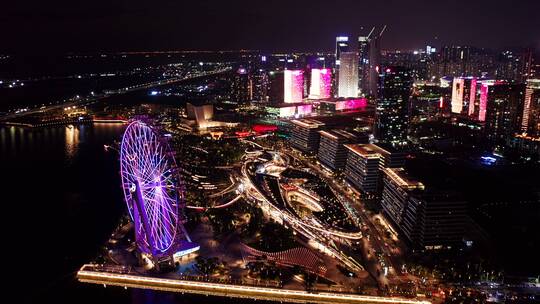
[
  {"x": 461, "y": 61},
  {"x": 259, "y": 85},
  {"x": 321, "y": 84},
  {"x": 391, "y": 117},
  {"x": 276, "y": 86},
  {"x": 531, "y": 109},
  {"x": 464, "y": 95},
  {"x": 504, "y": 111},
  {"x": 374, "y": 63},
  {"x": 348, "y": 75},
  {"x": 363, "y": 64},
  {"x": 342, "y": 45},
  {"x": 484, "y": 91},
  {"x": 293, "y": 86},
  {"x": 241, "y": 86}
]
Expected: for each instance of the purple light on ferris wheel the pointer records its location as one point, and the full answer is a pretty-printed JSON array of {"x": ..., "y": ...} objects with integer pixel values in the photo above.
[{"x": 152, "y": 189}]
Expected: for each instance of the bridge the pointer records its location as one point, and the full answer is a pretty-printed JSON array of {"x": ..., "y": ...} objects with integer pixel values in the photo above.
[
  {"x": 93, "y": 99},
  {"x": 90, "y": 274}
]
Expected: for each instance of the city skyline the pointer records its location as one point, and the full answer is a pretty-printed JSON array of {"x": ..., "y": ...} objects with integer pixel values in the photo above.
[{"x": 353, "y": 152}]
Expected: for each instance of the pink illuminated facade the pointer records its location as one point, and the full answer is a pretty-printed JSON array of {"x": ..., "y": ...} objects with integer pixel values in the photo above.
[
  {"x": 531, "y": 107},
  {"x": 293, "y": 86},
  {"x": 351, "y": 104},
  {"x": 321, "y": 83},
  {"x": 289, "y": 111},
  {"x": 457, "y": 95},
  {"x": 304, "y": 109},
  {"x": 464, "y": 95},
  {"x": 484, "y": 90},
  {"x": 343, "y": 104},
  {"x": 472, "y": 98},
  {"x": 484, "y": 95}
]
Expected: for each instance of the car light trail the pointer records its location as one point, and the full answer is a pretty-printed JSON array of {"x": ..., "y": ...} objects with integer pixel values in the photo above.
[{"x": 241, "y": 291}]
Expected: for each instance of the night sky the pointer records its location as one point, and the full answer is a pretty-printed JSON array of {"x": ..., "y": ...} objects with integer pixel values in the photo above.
[{"x": 132, "y": 25}]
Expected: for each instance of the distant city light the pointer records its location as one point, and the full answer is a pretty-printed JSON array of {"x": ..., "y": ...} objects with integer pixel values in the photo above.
[{"x": 488, "y": 160}]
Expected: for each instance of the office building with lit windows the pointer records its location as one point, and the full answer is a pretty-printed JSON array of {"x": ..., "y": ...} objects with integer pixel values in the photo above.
[
  {"x": 342, "y": 45},
  {"x": 363, "y": 64},
  {"x": 531, "y": 109},
  {"x": 504, "y": 111},
  {"x": 365, "y": 163},
  {"x": 275, "y": 87},
  {"x": 332, "y": 152},
  {"x": 305, "y": 135},
  {"x": 321, "y": 84},
  {"x": 464, "y": 96},
  {"x": 241, "y": 86},
  {"x": 391, "y": 116},
  {"x": 429, "y": 218},
  {"x": 348, "y": 75},
  {"x": 293, "y": 86}
]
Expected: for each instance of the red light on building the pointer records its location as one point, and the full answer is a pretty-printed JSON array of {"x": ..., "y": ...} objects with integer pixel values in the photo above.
[
  {"x": 242, "y": 133},
  {"x": 264, "y": 128}
]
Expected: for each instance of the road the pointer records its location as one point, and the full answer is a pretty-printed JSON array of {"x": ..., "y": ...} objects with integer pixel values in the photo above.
[
  {"x": 93, "y": 99},
  {"x": 374, "y": 243},
  {"x": 320, "y": 237},
  {"x": 89, "y": 274}
]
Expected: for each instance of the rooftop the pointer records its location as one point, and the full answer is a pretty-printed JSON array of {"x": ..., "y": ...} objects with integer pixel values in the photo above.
[
  {"x": 336, "y": 134},
  {"x": 307, "y": 123},
  {"x": 367, "y": 150},
  {"x": 402, "y": 179}
]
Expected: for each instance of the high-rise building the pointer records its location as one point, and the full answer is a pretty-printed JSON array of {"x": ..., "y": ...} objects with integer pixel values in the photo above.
[
  {"x": 305, "y": 135},
  {"x": 321, "y": 84},
  {"x": 260, "y": 84},
  {"x": 363, "y": 64},
  {"x": 484, "y": 91},
  {"x": 429, "y": 218},
  {"x": 332, "y": 152},
  {"x": 365, "y": 162},
  {"x": 504, "y": 111},
  {"x": 531, "y": 109},
  {"x": 348, "y": 75},
  {"x": 276, "y": 85},
  {"x": 241, "y": 86},
  {"x": 416, "y": 61},
  {"x": 391, "y": 118},
  {"x": 375, "y": 65},
  {"x": 464, "y": 96},
  {"x": 516, "y": 66},
  {"x": 342, "y": 45},
  {"x": 461, "y": 61},
  {"x": 293, "y": 86}
]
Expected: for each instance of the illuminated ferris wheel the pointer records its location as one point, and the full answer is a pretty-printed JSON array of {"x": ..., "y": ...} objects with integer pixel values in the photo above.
[{"x": 152, "y": 189}]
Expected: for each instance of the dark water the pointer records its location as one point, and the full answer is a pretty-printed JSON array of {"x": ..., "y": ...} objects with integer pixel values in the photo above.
[{"x": 61, "y": 199}]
